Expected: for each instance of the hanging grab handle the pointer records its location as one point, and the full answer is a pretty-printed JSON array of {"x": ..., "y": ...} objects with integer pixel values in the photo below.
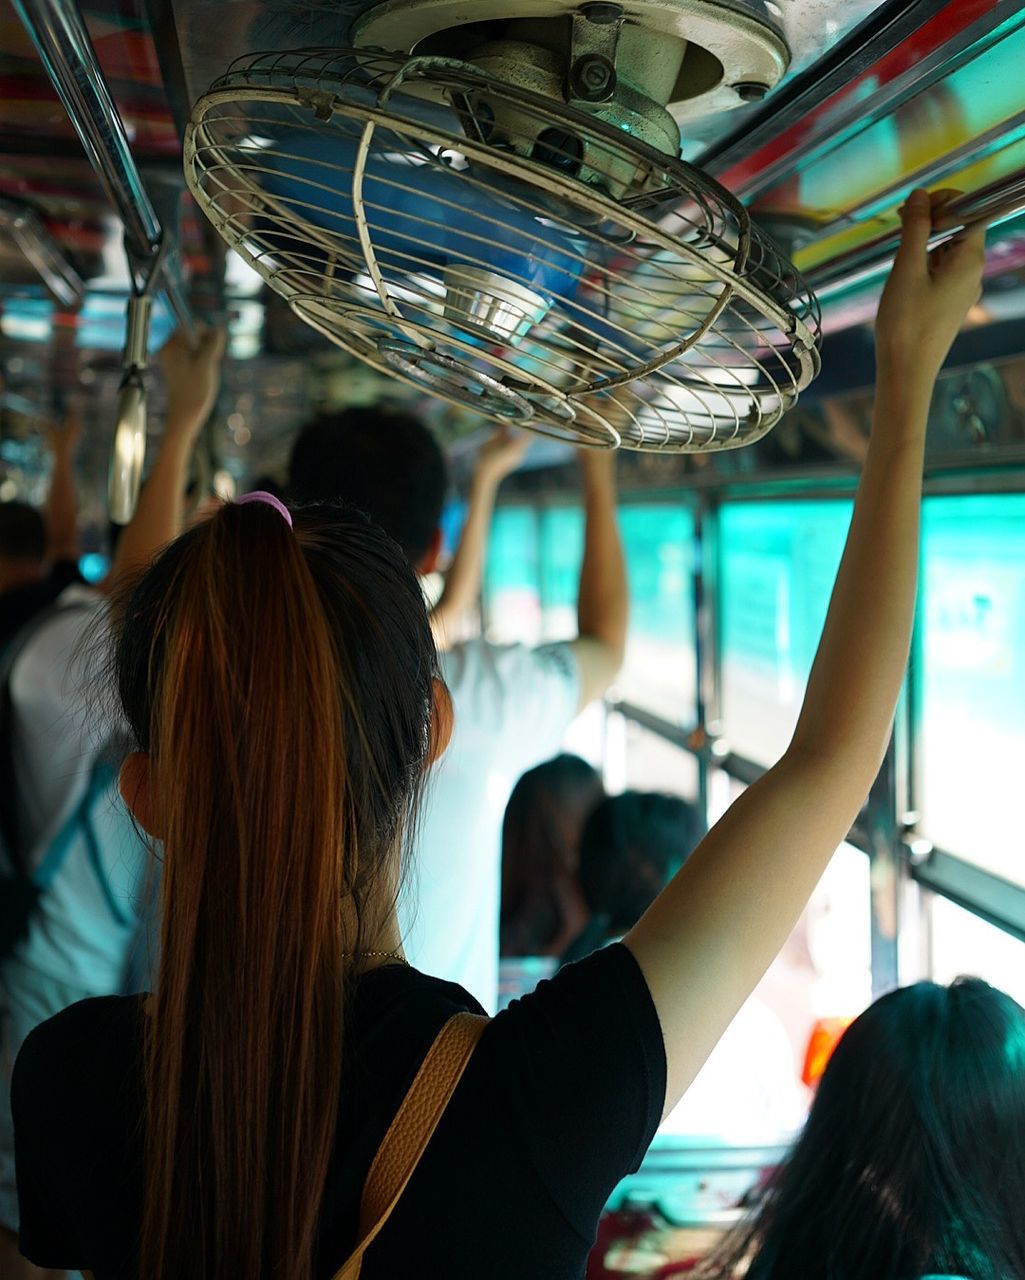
[{"x": 129, "y": 452}]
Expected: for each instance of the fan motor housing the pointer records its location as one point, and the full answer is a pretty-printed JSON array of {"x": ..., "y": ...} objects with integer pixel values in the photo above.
[{"x": 670, "y": 60}]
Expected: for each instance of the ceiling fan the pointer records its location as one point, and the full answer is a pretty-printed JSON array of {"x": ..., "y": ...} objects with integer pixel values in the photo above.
[{"x": 487, "y": 201}]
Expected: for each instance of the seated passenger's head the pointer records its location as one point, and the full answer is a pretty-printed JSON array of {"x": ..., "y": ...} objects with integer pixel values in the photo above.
[
  {"x": 540, "y": 842},
  {"x": 23, "y": 544},
  {"x": 384, "y": 463},
  {"x": 631, "y": 845},
  {"x": 912, "y": 1162}
]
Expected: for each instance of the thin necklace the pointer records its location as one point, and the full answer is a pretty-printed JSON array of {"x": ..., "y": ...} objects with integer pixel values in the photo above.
[{"x": 377, "y": 955}]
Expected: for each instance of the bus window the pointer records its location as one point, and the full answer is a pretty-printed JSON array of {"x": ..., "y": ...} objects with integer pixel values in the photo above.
[
  {"x": 511, "y": 590},
  {"x": 561, "y": 552},
  {"x": 824, "y": 970},
  {"x": 971, "y": 678},
  {"x": 777, "y": 563},
  {"x": 962, "y": 943},
  {"x": 659, "y": 672},
  {"x": 530, "y": 593},
  {"x": 639, "y": 760}
]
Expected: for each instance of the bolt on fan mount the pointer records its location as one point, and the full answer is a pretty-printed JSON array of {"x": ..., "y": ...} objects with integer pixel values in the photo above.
[{"x": 506, "y": 250}]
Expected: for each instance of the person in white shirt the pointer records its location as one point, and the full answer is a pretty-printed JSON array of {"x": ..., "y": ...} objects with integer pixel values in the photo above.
[
  {"x": 84, "y": 935},
  {"x": 513, "y": 703}
]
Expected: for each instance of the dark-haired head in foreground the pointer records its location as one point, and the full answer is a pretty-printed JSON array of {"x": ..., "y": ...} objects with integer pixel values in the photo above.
[
  {"x": 912, "y": 1162},
  {"x": 386, "y": 464}
]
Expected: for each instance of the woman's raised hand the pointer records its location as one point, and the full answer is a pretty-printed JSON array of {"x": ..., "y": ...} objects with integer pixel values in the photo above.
[
  {"x": 715, "y": 928},
  {"x": 928, "y": 293}
]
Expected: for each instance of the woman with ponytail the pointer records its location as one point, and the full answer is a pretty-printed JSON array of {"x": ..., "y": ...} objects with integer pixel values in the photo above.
[{"x": 278, "y": 673}]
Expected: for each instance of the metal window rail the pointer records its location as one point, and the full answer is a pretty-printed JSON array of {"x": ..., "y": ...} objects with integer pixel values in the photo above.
[
  {"x": 696, "y": 744},
  {"x": 998, "y": 901},
  {"x": 59, "y": 34},
  {"x": 886, "y": 811}
]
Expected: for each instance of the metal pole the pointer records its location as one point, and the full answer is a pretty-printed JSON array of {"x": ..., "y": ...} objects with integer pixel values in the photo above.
[
  {"x": 60, "y": 36},
  {"x": 996, "y": 203},
  {"x": 42, "y": 251}
]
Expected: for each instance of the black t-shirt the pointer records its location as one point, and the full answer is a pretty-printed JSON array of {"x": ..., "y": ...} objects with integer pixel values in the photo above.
[
  {"x": 560, "y": 1100},
  {"x": 20, "y": 604}
]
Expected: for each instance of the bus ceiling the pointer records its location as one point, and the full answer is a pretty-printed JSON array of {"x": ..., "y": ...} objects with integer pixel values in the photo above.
[{"x": 820, "y": 115}]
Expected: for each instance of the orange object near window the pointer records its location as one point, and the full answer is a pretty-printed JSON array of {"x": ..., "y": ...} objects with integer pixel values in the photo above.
[{"x": 823, "y": 1040}]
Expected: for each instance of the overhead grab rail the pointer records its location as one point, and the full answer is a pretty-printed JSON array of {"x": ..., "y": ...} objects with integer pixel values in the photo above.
[
  {"x": 129, "y": 452},
  {"x": 996, "y": 203},
  {"x": 59, "y": 34}
]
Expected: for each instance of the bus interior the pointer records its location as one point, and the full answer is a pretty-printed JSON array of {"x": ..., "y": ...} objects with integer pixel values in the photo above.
[{"x": 816, "y": 118}]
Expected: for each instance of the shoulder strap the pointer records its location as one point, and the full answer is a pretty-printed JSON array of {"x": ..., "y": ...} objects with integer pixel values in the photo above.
[
  {"x": 412, "y": 1129},
  {"x": 15, "y": 647}
]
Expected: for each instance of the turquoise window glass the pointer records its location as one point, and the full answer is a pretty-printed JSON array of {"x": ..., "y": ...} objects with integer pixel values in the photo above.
[
  {"x": 659, "y": 671},
  {"x": 532, "y": 576},
  {"x": 970, "y": 679},
  {"x": 964, "y": 943},
  {"x": 777, "y": 563},
  {"x": 511, "y": 588},
  {"x": 562, "y": 550}
]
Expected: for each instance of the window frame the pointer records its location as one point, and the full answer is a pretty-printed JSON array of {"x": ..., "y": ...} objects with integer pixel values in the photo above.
[{"x": 904, "y": 861}]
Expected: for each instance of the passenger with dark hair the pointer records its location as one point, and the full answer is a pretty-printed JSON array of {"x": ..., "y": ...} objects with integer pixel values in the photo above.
[
  {"x": 39, "y": 549},
  {"x": 630, "y": 847},
  {"x": 911, "y": 1162},
  {"x": 383, "y": 462},
  {"x": 542, "y": 906},
  {"x": 513, "y": 703},
  {"x": 279, "y": 676},
  {"x": 69, "y": 843}
]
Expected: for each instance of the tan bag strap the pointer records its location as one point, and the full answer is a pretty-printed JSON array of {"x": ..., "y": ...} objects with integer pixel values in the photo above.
[{"x": 412, "y": 1129}]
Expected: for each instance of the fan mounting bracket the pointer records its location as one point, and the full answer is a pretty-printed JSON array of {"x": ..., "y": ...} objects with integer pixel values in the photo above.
[{"x": 724, "y": 47}]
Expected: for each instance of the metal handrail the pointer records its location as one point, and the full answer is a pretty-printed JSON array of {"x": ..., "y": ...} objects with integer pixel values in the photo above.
[
  {"x": 995, "y": 203},
  {"x": 59, "y": 34}
]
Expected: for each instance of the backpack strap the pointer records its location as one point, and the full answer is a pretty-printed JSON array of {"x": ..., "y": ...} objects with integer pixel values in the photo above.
[
  {"x": 80, "y": 822},
  {"x": 412, "y": 1129},
  {"x": 10, "y": 830}
]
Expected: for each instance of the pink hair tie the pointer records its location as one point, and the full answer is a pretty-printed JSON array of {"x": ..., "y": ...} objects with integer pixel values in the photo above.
[{"x": 259, "y": 495}]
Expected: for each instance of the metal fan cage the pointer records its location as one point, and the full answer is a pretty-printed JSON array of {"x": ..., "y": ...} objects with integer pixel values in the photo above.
[{"x": 673, "y": 324}]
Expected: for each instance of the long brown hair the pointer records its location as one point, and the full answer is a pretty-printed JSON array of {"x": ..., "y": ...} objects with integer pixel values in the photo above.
[{"x": 281, "y": 683}]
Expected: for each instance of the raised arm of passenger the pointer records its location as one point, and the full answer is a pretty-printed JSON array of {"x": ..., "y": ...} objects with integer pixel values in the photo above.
[
  {"x": 62, "y": 500},
  {"x": 602, "y": 599},
  {"x": 714, "y": 930},
  {"x": 192, "y": 378},
  {"x": 499, "y": 457}
]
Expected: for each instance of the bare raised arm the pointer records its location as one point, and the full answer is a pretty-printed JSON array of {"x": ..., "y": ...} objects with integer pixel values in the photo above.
[
  {"x": 192, "y": 378},
  {"x": 602, "y": 599},
  {"x": 713, "y": 931},
  {"x": 499, "y": 457},
  {"x": 62, "y": 500}
]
